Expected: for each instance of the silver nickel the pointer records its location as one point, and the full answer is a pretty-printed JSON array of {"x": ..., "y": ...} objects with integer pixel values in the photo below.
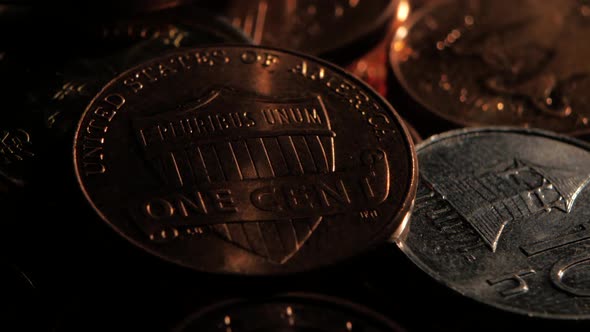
[{"x": 503, "y": 216}]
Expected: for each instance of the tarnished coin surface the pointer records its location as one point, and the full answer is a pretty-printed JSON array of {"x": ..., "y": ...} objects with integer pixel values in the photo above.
[
  {"x": 47, "y": 98},
  {"x": 288, "y": 313},
  {"x": 246, "y": 160},
  {"x": 501, "y": 216},
  {"x": 498, "y": 62},
  {"x": 314, "y": 27}
]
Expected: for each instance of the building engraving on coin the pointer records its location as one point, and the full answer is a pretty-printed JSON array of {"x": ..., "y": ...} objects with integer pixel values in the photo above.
[
  {"x": 226, "y": 175},
  {"x": 501, "y": 216},
  {"x": 472, "y": 63},
  {"x": 515, "y": 189}
]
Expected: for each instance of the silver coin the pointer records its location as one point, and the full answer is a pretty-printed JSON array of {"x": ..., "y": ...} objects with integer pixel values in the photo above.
[{"x": 503, "y": 216}]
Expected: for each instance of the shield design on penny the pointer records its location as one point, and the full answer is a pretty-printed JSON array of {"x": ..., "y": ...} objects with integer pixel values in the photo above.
[{"x": 231, "y": 139}]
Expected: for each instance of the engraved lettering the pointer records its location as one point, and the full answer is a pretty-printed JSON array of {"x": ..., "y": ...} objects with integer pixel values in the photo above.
[
  {"x": 291, "y": 116},
  {"x": 15, "y": 146},
  {"x": 521, "y": 285},
  {"x": 266, "y": 199},
  {"x": 560, "y": 269},
  {"x": 93, "y": 140},
  {"x": 369, "y": 215},
  {"x": 164, "y": 235},
  {"x": 380, "y": 123},
  {"x": 248, "y": 57},
  {"x": 91, "y": 168},
  {"x": 181, "y": 60},
  {"x": 312, "y": 196},
  {"x": 211, "y": 58},
  {"x": 313, "y": 117},
  {"x": 93, "y": 152},
  {"x": 94, "y": 127},
  {"x": 68, "y": 89},
  {"x": 148, "y": 73},
  {"x": 298, "y": 197},
  {"x": 177, "y": 205},
  {"x": 105, "y": 114},
  {"x": 171, "y": 233},
  {"x": 220, "y": 56},
  {"x": 223, "y": 200},
  {"x": 364, "y": 104},
  {"x": 204, "y": 124},
  {"x": 116, "y": 100},
  {"x": 304, "y": 70},
  {"x": 165, "y": 70},
  {"x": 98, "y": 125},
  {"x": 159, "y": 208},
  {"x": 196, "y": 205},
  {"x": 269, "y": 59},
  {"x": 133, "y": 83},
  {"x": 266, "y": 59},
  {"x": 339, "y": 193}
]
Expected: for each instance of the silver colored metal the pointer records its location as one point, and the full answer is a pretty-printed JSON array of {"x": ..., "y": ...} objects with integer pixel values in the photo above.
[{"x": 502, "y": 216}]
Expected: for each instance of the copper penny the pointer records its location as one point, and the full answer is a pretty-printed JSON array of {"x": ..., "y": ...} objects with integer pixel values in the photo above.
[{"x": 246, "y": 160}]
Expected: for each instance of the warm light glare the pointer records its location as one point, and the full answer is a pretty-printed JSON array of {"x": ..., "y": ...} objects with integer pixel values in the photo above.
[
  {"x": 403, "y": 11},
  {"x": 402, "y": 32},
  {"x": 399, "y": 45}
]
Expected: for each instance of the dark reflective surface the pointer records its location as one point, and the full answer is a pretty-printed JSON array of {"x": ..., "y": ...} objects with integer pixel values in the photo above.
[
  {"x": 47, "y": 97},
  {"x": 288, "y": 313}
]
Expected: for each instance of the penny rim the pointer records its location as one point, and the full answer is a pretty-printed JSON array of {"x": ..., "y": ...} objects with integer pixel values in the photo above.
[{"x": 397, "y": 225}]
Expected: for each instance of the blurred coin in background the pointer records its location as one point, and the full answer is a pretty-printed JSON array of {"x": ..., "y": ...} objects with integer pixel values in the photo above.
[
  {"x": 501, "y": 216},
  {"x": 46, "y": 98},
  {"x": 241, "y": 160},
  {"x": 47, "y": 84},
  {"x": 112, "y": 8},
  {"x": 488, "y": 62},
  {"x": 373, "y": 67},
  {"x": 336, "y": 30}
]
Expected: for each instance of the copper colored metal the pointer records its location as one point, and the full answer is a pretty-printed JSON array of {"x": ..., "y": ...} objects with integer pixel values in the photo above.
[
  {"x": 489, "y": 62},
  {"x": 246, "y": 160}
]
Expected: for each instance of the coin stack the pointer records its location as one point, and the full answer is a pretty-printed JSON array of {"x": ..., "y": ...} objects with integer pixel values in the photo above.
[{"x": 178, "y": 165}]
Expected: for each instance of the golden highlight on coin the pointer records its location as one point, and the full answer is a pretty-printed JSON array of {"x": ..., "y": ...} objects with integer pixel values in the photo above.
[
  {"x": 246, "y": 160},
  {"x": 496, "y": 62}
]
